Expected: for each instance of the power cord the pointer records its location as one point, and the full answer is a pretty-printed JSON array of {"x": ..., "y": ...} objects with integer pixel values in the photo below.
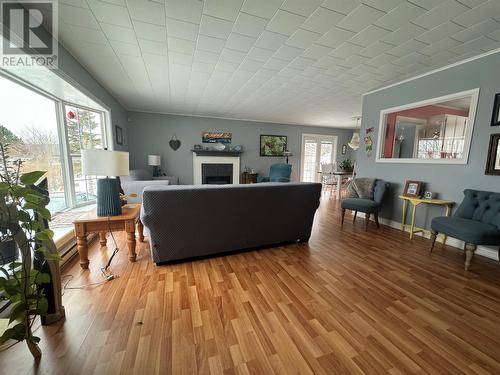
[{"x": 107, "y": 277}]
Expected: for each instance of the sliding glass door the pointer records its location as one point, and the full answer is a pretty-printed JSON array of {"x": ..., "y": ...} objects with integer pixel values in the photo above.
[{"x": 317, "y": 149}]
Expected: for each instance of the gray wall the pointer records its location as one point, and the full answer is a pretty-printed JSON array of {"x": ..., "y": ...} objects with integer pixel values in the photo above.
[
  {"x": 150, "y": 134},
  {"x": 447, "y": 180}
]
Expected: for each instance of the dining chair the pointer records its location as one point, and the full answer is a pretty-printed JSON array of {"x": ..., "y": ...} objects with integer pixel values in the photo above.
[{"x": 327, "y": 177}]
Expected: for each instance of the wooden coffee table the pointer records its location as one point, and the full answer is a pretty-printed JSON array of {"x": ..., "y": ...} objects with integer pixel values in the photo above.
[{"x": 91, "y": 223}]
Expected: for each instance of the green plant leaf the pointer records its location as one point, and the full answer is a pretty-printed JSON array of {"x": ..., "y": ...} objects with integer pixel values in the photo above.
[
  {"x": 43, "y": 306},
  {"x": 31, "y": 177},
  {"x": 44, "y": 213},
  {"x": 18, "y": 311},
  {"x": 45, "y": 234},
  {"x": 42, "y": 278},
  {"x": 24, "y": 216}
]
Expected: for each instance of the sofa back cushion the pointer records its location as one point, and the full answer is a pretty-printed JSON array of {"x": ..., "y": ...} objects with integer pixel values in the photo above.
[
  {"x": 478, "y": 205},
  {"x": 379, "y": 190}
]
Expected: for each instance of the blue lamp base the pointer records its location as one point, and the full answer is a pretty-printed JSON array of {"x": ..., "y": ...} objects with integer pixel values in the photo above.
[{"x": 108, "y": 197}]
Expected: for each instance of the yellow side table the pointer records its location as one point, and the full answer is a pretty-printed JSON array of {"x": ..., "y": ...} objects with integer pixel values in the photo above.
[{"x": 415, "y": 202}]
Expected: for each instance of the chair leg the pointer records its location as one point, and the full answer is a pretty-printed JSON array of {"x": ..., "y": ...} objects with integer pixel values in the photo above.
[
  {"x": 376, "y": 220},
  {"x": 469, "y": 249},
  {"x": 354, "y": 217},
  {"x": 434, "y": 235},
  {"x": 343, "y": 215},
  {"x": 367, "y": 221}
]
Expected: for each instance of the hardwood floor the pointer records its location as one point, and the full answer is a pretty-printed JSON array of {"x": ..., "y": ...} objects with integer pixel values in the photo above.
[{"x": 350, "y": 301}]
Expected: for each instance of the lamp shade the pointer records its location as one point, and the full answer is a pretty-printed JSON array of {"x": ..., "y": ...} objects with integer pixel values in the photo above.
[
  {"x": 154, "y": 160},
  {"x": 105, "y": 163},
  {"x": 354, "y": 143}
]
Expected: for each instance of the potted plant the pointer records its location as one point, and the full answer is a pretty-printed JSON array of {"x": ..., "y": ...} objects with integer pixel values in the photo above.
[
  {"x": 22, "y": 213},
  {"x": 346, "y": 165}
]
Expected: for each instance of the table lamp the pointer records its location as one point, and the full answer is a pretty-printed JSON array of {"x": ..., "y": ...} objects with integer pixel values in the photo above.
[
  {"x": 155, "y": 162},
  {"x": 106, "y": 163},
  {"x": 287, "y": 154}
]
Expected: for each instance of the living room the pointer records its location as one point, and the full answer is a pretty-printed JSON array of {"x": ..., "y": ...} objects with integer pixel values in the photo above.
[{"x": 250, "y": 186}]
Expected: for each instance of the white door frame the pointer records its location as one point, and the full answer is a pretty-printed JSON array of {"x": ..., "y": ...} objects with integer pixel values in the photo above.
[{"x": 318, "y": 138}]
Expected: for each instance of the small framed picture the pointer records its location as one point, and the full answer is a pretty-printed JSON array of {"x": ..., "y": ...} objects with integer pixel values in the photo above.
[
  {"x": 344, "y": 149},
  {"x": 413, "y": 188},
  {"x": 119, "y": 135},
  {"x": 495, "y": 118},
  {"x": 493, "y": 162}
]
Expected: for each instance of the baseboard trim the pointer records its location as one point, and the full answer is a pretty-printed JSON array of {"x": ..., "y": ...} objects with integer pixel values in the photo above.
[{"x": 484, "y": 251}]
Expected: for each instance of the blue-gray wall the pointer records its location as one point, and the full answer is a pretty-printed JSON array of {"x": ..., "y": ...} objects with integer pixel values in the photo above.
[
  {"x": 150, "y": 133},
  {"x": 447, "y": 180}
]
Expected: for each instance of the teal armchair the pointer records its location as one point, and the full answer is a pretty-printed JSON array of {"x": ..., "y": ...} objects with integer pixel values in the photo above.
[
  {"x": 278, "y": 173},
  {"x": 476, "y": 222}
]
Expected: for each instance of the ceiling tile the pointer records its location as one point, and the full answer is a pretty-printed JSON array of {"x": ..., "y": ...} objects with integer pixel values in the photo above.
[
  {"x": 147, "y": 11},
  {"x": 384, "y": 5},
  {"x": 126, "y": 48},
  {"x": 226, "y": 9},
  {"x": 345, "y": 49},
  {"x": 240, "y": 42},
  {"x": 403, "y": 34},
  {"x": 479, "y": 13},
  {"x": 109, "y": 13},
  {"x": 335, "y": 37},
  {"x": 89, "y": 35},
  {"x": 360, "y": 17},
  {"x": 275, "y": 64},
  {"x": 341, "y": 6},
  {"x": 302, "y": 38},
  {"x": 407, "y": 47},
  {"x": 316, "y": 51},
  {"x": 208, "y": 43},
  {"x": 149, "y": 46},
  {"x": 180, "y": 58},
  {"x": 182, "y": 29},
  {"x": 120, "y": 33},
  {"x": 260, "y": 54},
  {"x": 271, "y": 40},
  {"x": 215, "y": 27},
  {"x": 185, "y": 10},
  {"x": 441, "y": 45},
  {"x": 304, "y": 8},
  {"x": 247, "y": 24},
  {"x": 181, "y": 45},
  {"x": 399, "y": 16},
  {"x": 285, "y": 22},
  {"x": 232, "y": 56},
  {"x": 369, "y": 35},
  {"x": 77, "y": 16},
  {"x": 288, "y": 53},
  {"x": 322, "y": 20},
  {"x": 439, "y": 14},
  {"x": 150, "y": 31},
  {"x": 205, "y": 56},
  {"x": 475, "y": 31},
  {"x": 439, "y": 32},
  {"x": 261, "y": 8}
]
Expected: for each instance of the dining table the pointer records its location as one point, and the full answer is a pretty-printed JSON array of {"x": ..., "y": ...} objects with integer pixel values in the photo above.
[{"x": 338, "y": 175}]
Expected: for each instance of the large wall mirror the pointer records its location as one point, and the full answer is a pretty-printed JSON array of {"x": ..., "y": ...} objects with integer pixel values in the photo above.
[{"x": 437, "y": 130}]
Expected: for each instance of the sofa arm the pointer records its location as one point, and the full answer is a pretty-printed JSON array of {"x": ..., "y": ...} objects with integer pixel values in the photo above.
[
  {"x": 172, "y": 180},
  {"x": 262, "y": 179},
  {"x": 280, "y": 179}
]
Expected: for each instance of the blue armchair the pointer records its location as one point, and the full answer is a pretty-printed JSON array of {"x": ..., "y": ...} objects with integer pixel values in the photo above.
[
  {"x": 476, "y": 222},
  {"x": 278, "y": 173},
  {"x": 368, "y": 206}
]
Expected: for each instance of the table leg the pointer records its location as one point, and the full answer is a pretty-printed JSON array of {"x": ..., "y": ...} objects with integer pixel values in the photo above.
[
  {"x": 83, "y": 251},
  {"x": 140, "y": 230},
  {"x": 131, "y": 246},
  {"x": 412, "y": 220},
  {"x": 337, "y": 193},
  {"x": 403, "y": 217},
  {"x": 447, "y": 213},
  {"x": 102, "y": 239}
]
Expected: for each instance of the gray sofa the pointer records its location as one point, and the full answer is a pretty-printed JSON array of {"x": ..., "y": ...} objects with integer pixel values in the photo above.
[
  {"x": 139, "y": 179},
  {"x": 198, "y": 220}
]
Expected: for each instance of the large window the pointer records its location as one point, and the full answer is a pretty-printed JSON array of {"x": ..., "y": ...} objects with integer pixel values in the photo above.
[{"x": 29, "y": 124}]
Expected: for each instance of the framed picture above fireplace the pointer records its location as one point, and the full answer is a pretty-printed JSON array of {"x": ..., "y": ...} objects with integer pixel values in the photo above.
[{"x": 273, "y": 145}]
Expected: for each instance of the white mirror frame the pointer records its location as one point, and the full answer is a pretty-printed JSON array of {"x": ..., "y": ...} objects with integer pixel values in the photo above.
[{"x": 474, "y": 93}]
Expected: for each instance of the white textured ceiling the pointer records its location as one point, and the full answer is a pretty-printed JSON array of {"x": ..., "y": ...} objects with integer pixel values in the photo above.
[{"x": 292, "y": 61}]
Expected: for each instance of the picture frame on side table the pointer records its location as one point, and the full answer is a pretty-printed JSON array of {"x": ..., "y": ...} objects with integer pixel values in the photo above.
[
  {"x": 412, "y": 188},
  {"x": 495, "y": 117},
  {"x": 119, "y": 135},
  {"x": 493, "y": 161}
]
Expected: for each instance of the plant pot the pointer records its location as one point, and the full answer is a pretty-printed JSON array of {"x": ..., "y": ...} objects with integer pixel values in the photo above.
[{"x": 8, "y": 251}]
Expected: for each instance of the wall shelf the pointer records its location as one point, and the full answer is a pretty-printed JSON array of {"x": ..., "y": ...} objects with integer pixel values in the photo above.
[{"x": 216, "y": 153}]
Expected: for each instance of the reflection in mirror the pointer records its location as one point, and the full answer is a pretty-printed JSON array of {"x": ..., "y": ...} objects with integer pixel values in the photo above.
[{"x": 437, "y": 130}]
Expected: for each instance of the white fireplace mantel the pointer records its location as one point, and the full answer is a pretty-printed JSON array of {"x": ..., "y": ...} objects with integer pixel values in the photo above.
[{"x": 198, "y": 160}]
